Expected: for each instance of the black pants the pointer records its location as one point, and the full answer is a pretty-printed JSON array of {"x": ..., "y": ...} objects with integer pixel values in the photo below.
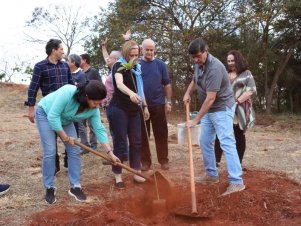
[
  {"x": 160, "y": 131},
  {"x": 240, "y": 144}
]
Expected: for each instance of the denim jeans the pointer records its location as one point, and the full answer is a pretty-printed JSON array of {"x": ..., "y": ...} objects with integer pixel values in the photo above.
[
  {"x": 48, "y": 141},
  {"x": 108, "y": 113},
  {"x": 82, "y": 130},
  {"x": 240, "y": 139},
  {"x": 126, "y": 129},
  {"x": 221, "y": 124}
]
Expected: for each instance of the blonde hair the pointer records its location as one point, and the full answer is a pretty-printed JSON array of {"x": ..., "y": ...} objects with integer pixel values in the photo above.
[{"x": 127, "y": 47}]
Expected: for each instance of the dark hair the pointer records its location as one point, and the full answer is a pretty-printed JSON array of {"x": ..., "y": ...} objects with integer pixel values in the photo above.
[
  {"x": 85, "y": 57},
  {"x": 240, "y": 62},
  {"x": 75, "y": 59},
  {"x": 52, "y": 44},
  {"x": 197, "y": 46},
  {"x": 93, "y": 89}
]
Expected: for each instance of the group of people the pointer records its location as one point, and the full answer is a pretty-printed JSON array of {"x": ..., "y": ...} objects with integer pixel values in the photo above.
[
  {"x": 136, "y": 96},
  {"x": 71, "y": 101}
]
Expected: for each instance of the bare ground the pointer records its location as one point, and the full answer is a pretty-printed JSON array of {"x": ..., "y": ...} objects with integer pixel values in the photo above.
[{"x": 273, "y": 178}]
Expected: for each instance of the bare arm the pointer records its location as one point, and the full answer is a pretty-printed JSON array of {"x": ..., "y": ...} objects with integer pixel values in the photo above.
[
  {"x": 31, "y": 113},
  {"x": 245, "y": 96},
  {"x": 191, "y": 88},
  {"x": 123, "y": 88},
  {"x": 168, "y": 94},
  {"x": 210, "y": 98},
  {"x": 104, "y": 50}
]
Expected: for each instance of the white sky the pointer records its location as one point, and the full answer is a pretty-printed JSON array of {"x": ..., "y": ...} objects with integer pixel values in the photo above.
[{"x": 14, "y": 14}]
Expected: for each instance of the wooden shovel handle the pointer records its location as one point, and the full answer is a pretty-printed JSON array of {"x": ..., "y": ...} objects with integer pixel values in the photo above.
[
  {"x": 104, "y": 156},
  {"x": 192, "y": 184}
]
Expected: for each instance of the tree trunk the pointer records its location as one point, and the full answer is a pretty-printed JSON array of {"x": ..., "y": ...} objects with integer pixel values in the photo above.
[{"x": 276, "y": 76}]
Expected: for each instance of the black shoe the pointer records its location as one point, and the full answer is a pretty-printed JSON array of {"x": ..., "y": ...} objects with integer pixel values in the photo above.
[
  {"x": 145, "y": 167},
  {"x": 4, "y": 188},
  {"x": 120, "y": 185},
  {"x": 78, "y": 194},
  {"x": 50, "y": 195},
  {"x": 66, "y": 160}
]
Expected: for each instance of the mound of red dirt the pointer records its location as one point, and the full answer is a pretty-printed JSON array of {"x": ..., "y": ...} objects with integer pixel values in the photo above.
[{"x": 269, "y": 199}]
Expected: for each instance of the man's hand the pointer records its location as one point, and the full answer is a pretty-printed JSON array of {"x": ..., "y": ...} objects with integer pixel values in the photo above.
[
  {"x": 146, "y": 113},
  {"x": 104, "y": 42},
  {"x": 192, "y": 123},
  {"x": 168, "y": 107},
  {"x": 127, "y": 35},
  {"x": 186, "y": 98},
  {"x": 31, "y": 114}
]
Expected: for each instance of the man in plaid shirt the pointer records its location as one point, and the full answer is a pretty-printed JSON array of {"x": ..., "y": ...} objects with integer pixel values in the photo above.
[{"x": 48, "y": 75}]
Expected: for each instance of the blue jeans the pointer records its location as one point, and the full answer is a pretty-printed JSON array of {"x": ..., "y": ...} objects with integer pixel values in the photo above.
[
  {"x": 126, "y": 129},
  {"x": 221, "y": 124},
  {"x": 48, "y": 141},
  {"x": 108, "y": 113},
  {"x": 82, "y": 130}
]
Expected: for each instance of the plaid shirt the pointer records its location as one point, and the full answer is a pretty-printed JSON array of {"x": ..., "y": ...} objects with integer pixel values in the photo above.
[{"x": 48, "y": 77}]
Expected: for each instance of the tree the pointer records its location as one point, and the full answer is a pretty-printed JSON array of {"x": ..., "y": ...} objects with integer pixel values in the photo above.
[
  {"x": 265, "y": 31},
  {"x": 58, "y": 21},
  {"x": 274, "y": 46},
  {"x": 172, "y": 24},
  {"x": 14, "y": 69}
]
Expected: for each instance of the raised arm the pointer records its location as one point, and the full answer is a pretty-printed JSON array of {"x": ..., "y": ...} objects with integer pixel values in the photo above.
[{"x": 104, "y": 50}]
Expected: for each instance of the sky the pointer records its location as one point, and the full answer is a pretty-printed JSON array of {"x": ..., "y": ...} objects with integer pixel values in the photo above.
[{"x": 14, "y": 14}]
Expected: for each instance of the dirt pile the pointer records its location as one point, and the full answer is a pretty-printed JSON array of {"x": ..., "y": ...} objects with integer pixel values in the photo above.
[{"x": 270, "y": 199}]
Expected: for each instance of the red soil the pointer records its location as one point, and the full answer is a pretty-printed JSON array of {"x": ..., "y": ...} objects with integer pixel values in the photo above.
[{"x": 269, "y": 199}]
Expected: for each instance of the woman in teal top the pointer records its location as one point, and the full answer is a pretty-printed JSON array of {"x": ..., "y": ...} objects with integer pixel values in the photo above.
[{"x": 55, "y": 114}]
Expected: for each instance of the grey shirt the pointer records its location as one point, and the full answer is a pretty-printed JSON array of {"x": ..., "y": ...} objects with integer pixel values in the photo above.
[{"x": 213, "y": 77}]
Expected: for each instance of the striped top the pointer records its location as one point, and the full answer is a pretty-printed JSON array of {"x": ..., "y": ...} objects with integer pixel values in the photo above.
[{"x": 244, "y": 82}]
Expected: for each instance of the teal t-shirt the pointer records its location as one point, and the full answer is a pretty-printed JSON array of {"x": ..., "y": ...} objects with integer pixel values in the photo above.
[{"x": 61, "y": 109}]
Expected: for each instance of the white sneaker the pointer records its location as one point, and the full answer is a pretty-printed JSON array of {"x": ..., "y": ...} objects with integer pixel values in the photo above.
[
  {"x": 234, "y": 188},
  {"x": 139, "y": 179},
  {"x": 206, "y": 180}
]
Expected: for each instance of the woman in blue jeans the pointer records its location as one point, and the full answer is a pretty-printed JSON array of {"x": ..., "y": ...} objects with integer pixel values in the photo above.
[
  {"x": 55, "y": 114},
  {"x": 124, "y": 110}
]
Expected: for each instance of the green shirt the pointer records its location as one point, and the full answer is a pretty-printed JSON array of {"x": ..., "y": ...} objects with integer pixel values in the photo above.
[{"x": 61, "y": 107}]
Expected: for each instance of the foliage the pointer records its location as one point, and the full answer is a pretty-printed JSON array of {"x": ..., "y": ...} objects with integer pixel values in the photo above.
[
  {"x": 265, "y": 31},
  {"x": 127, "y": 66}
]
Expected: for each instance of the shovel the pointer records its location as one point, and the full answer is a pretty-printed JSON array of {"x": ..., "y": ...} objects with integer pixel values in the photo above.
[
  {"x": 184, "y": 210},
  {"x": 110, "y": 160},
  {"x": 192, "y": 184}
]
